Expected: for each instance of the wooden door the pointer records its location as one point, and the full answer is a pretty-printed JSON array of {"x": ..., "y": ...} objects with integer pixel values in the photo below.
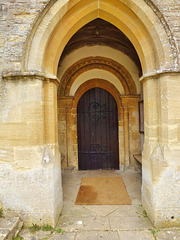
[{"x": 97, "y": 131}]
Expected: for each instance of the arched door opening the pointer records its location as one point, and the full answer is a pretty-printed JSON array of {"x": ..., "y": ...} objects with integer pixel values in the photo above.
[
  {"x": 99, "y": 53},
  {"x": 97, "y": 127}
]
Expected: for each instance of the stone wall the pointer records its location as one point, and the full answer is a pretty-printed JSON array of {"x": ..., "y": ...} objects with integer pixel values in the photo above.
[
  {"x": 169, "y": 13},
  {"x": 16, "y": 22},
  {"x": 30, "y": 173},
  {"x": 161, "y": 150},
  {"x": 18, "y": 18}
]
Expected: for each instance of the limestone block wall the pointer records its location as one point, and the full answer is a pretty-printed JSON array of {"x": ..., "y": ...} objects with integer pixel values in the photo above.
[
  {"x": 161, "y": 173},
  {"x": 168, "y": 12},
  {"x": 16, "y": 21},
  {"x": 30, "y": 172}
]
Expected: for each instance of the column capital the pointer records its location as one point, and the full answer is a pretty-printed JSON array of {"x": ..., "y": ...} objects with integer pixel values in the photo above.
[
  {"x": 66, "y": 102},
  {"x": 18, "y": 75},
  {"x": 130, "y": 100},
  {"x": 159, "y": 73}
]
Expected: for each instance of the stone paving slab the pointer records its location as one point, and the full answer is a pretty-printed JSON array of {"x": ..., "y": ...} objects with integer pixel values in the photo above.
[
  {"x": 8, "y": 223},
  {"x": 164, "y": 234},
  {"x": 129, "y": 223},
  {"x": 100, "y": 210},
  {"x": 169, "y": 234},
  {"x": 3, "y": 233},
  {"x": 75, "y": 210},
  {"x": 97, "y": 235},
  {"x": 9, "y": 227},
  {"x": 65, "y": 236},
  {"x": 129, "y": 211},
  {"x": 75, "y": 223},
  {"x": 136, "y": 235}
]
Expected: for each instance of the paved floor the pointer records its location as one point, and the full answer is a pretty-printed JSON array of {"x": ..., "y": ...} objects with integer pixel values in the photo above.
[{"x": 121, "y": 222}]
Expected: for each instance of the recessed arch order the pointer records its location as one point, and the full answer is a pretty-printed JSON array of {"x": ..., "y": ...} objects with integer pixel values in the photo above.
[
  {"x": 63, "y": 18},
  {"x": 88, "y": 63}
]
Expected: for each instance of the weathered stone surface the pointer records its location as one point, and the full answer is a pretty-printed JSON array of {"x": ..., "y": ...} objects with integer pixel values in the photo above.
[
  {"x": 10, "y": 227},
  {"x": 33, "y": 35},
  {"x": 171, "y": 234},
  {"x": 97, "y": 235},
  {"x": 129, "y": 221}
]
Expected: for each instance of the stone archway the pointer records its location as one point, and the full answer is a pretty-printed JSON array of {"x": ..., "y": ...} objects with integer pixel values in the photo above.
[
  {"x": 89, "y": 63},
  {"x": 148, "y": 44},
  {"x": 150, "y": 37},
  {"x": 70, "y": 90}
]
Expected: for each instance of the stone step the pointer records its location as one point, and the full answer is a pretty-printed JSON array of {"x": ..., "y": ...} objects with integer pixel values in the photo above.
[{"x": 9, "y": 227}]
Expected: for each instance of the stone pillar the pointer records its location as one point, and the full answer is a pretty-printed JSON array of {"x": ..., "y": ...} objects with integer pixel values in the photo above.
[
  {"x": 121, "y": 137},
  {"x": 161, "y": 165},
  {"x": 134, "y": 134},
  {"x": 131, "y": 128},
  {"x": 126, "y": 137},
  {"x": 67, "y": 132},
  {"x": 30, "y": 170}
]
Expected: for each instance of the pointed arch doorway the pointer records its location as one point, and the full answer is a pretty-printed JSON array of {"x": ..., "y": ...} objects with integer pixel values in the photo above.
[{"x": 97, "y": 125}]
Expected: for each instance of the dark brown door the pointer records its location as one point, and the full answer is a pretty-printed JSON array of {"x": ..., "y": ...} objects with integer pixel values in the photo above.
[{"x": 97, "y": 130}]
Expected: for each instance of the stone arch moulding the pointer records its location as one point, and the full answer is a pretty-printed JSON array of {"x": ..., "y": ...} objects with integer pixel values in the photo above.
[
  {"x": 135, "y": 18},
  {"x": 88, "y": 63},
  {"x": 101, "y": 83}
]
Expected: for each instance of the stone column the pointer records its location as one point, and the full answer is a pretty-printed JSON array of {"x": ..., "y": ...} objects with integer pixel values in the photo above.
[
  {"x": 131, "y": 128},
  {"x": 126, "y": 137},
  {"x": 67, "y": 130},
  {"x": 51, "y": 156},
  {"x": 121, "y": 137},
  {"x": 126, "y": 131},
  {"x": 161, "y": 165},
  {"x": 30, "y": 170},
  {"x": 134, "y": 134}
]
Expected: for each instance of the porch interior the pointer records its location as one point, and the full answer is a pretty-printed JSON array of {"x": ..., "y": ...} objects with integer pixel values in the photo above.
[{"x": 102, "y": 217}]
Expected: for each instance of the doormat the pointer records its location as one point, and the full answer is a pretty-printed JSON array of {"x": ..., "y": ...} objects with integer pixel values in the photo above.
[{"x": 102, "y": 191}]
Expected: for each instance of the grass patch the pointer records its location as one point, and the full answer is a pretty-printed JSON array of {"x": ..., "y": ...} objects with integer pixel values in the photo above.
[
  {"x": 34, "y": 228},
  {"x": 47, "y": 228},
  {"x": 58, "y": 230},
  {"x": 154, "y": 233},
  {"x": 18, "y": 238},
  {"x": 1, "y": 212},
  {"x": 144, "y": 214}
]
